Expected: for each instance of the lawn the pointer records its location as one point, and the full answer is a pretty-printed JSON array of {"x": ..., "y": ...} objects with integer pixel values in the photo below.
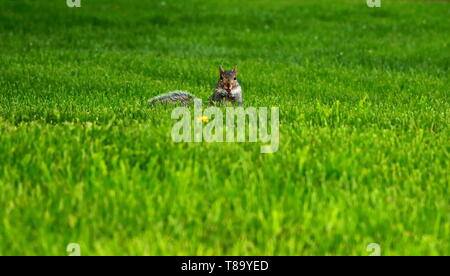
[{"x": 364, "y": 153}]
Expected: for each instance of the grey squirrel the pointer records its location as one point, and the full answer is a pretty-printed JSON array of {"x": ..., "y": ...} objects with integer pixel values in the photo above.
[{"x": 227, "y": 90}]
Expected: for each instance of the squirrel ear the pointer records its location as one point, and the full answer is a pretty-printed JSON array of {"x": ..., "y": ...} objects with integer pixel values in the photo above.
[
  {"x": 235, "y": 69},
  {"x": 221, "y": 69}
]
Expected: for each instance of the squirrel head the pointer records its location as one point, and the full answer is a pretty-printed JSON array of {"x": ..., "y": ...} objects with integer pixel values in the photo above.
[{"x": 228, "y": 79}]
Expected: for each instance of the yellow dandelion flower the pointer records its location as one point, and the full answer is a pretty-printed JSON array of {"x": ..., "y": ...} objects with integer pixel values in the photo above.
[{"x": 203, "y": 119}]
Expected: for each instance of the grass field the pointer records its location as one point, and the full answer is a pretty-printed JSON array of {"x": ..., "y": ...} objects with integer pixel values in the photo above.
[{"x": 364, "y": 151}]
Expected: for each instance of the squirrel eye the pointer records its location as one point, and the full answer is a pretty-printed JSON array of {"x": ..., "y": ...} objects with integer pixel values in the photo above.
[{"x": 235, "y": 78}]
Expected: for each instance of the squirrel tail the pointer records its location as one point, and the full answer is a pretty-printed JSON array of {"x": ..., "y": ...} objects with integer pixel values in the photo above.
[{"x": 173, "y": 97}]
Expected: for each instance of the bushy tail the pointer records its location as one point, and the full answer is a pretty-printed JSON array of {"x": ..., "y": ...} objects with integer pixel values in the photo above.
[{"x": 173, "y": 97}]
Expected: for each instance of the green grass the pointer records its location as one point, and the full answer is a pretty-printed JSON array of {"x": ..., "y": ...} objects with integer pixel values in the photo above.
[{"x": 364, "y": 118}]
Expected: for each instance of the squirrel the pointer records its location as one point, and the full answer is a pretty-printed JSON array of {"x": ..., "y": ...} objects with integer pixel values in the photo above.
[{"x": 228, "y": 90}]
